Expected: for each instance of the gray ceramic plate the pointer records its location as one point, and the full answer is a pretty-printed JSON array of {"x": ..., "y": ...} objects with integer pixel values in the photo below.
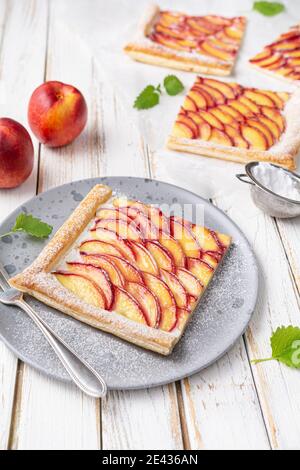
[{"x": 222, "y": 315}]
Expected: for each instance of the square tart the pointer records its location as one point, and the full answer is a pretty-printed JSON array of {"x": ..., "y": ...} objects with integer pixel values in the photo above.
[
  {"x": 231, "y": 122},
  {"x": 281, "y": 58},
  {"x": 124, "y": 267},
  {"x": 204, "y": 44}
]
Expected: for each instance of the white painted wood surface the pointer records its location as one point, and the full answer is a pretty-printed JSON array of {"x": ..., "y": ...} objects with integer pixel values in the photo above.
[{"x": 231, "y": 405}]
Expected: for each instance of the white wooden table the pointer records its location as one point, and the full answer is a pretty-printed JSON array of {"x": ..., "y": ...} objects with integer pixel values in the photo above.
[{"x": 231, "y": 405}]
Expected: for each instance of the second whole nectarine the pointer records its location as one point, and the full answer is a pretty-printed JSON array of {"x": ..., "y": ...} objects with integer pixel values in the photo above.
[
  {"x": 57, "y": 113},
  {"x": 16, "y": 153}
]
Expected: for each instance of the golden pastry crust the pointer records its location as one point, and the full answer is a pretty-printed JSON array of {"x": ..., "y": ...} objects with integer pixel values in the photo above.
[
  {"x": 38, "y": 281},
  {"x": 142, "y": 49},
  {"x": 283, "y": 152}
]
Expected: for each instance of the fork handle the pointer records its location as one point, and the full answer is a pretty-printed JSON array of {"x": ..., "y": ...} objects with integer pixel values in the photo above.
[{"x": 84, "y": 376}]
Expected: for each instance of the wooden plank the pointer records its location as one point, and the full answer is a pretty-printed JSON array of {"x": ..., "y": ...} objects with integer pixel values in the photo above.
[
  {"x": 20, "y": 68},
  {"x": 53, "y": 415},
  {"x": 221, "y": 407},
  {"x": 144, "y": 419},
  {"x": 289, "y": 230}
]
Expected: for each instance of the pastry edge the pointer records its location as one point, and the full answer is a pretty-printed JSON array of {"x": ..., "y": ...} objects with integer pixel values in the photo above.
[
  {"x": 152, "y": 56},
  {"x": 272, "y": 74},
  {"x": 226, "y": 153}
]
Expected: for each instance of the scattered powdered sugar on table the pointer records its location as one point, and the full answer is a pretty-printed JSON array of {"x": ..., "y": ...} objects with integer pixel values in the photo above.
[{"x": 277, "y": 180}]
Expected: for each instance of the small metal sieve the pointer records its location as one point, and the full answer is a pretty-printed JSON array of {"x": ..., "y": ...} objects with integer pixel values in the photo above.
[{"x": 268, "y": 201}]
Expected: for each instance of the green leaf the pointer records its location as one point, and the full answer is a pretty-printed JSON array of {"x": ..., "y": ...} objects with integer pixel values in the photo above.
[
  {"x": 285, "y": 343},
  {"x": 173, "y": 85},
  {"x": 268, "y": 8},
  {"x": 31, "y": 225},
  {"x": 148, "y": 98}
]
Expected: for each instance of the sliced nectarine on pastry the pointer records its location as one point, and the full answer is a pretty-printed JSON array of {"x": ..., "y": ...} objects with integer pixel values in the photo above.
[
  {"x": 220, "y": 138},
  {"x": 97, "y": 247},
  {"x": 180, "y": 129},
  {"x": 110, "y": 236},
  {"x": 177, "y": 289},
  {"x": 173, "y": 247},
  {"x": 126, "y": 305},
  {"x": 82, "y": 287},
  {"x": 186, "y": 239},
  {"x": 111, "y": 269},
  {"x": 108, "y": 213},
  {"x": 166, "y": 301},
  {"x": 129, "y": 272},
  {"x": 235, "y": 136},
  {"x": 147, "y": 302},
  {"x": 203, "y": 271},
  {"x": 275, "y": 116},
  {"x": 255, "y": 138},
  {"x": 190, "y": 282},
  {"x": 124, "y": 229},
  {"x": 144, "y": 259},
  {"x": 263, "y": 128},
  {"x": 97, "y": 275},
  {"x": 162, "y": 255}
]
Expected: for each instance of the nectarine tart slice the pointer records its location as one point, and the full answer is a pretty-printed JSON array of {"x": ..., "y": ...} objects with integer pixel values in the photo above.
[
  {"x": 126, "y": 268},
  {"x": 207, "y": 44},
  {"x": 232, "y": 122},
  {"x": 281, "y": 58}
]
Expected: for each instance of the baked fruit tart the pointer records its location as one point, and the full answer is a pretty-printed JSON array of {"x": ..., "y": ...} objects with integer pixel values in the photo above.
[
  {"x": 126, "y": 268},
  {"x": 207, "y": 44},
  {"x": 229, "y": 121},
  {"x": 281, "y": 58}
]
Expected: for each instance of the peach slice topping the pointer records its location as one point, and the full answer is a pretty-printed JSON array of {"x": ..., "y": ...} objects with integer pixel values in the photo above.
[
  {"x": 166, "y": 300},
  {"x": 97, "y": 275},
  {"x": 110, "y": 268},
  {"x": 162, "y": 255},
  {"x": 97, "y": 247},
  {"x": 147, "y": 301},
  {"x": 126, "y": 305},
  {"x": 111, "y": 237},
  {"x": 211, "y": 35},
  {"x": 84, "y": 288}
]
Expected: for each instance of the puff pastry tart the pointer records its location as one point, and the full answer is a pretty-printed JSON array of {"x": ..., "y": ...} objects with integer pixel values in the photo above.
[
  {"x": 126, "y": 268},
  {"x": 207, "y": 44},
  {"x": 282, "y": 57},
  {"x": 231, "y": 122}
]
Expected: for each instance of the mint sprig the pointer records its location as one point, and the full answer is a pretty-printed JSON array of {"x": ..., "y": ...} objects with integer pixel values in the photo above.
[
  {"x": 150, "y": 96},
  {"x": 285, "y": 344},
  {"x": 269, "y": 8},
  {"x": 30, "y": 225},
  {"x": 173, "y": 85}
]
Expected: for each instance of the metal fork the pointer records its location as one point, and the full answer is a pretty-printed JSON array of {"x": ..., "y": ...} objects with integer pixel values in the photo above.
[{"x": 82, "y": 374}]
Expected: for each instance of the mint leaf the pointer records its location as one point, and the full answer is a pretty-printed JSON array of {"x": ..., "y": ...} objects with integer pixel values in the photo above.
[
  {"x": 173, "y": 85},
  {"x": 31, "y": 225},
  {"x": 268, "y": 8},
  {"x": 148, "y": 98},
  {"x": 285, "y": 343}
]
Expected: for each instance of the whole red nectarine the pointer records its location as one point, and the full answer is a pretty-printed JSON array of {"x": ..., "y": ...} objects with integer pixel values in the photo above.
[
  {"x": 16, "y": 153},
  {"x": 57, "y": 113}
]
